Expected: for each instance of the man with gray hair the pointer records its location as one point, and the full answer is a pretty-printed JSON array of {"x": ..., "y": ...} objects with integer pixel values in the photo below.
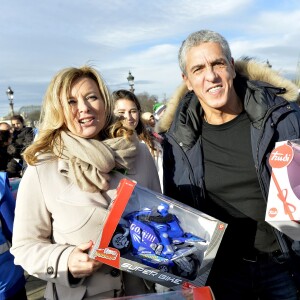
[{"x": 219, "y": 130}]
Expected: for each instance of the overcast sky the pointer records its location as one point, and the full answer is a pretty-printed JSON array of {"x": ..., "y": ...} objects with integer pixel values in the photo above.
[{"x": 38, "y": 38}]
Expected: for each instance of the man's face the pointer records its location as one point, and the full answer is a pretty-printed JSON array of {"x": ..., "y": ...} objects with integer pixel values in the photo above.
[
  {"x": 210, "y": 75},
  {"x": 16, "y": 125}
]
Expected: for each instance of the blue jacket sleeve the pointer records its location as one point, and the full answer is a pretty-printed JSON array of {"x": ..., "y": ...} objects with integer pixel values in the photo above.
[{"x": 7, "y": 206}]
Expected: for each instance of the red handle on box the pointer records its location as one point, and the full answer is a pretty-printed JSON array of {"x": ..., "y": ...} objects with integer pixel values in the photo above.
[{"x": 125, "y": 190}]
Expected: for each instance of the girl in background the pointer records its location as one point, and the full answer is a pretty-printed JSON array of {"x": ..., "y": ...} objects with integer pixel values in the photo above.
[{"x": 128, "y": 108}]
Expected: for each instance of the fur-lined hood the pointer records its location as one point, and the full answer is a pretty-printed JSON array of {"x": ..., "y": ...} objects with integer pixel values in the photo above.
[{"x": 247, "y": 68}]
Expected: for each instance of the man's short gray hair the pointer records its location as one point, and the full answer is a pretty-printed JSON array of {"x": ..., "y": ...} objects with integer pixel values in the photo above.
[{"x": 197, "y": 38}]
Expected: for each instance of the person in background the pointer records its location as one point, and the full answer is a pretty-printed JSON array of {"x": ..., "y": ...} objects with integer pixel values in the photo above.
[
  {"x": 12, "y": 280},
  {"x": 149, "y": 121},
  {"x": 7, "y": 162},
  {"x": 218, "y": 136},
  {"x": 158, "y": 110},
  {"x": 22, "y": 135},
  {"x": 5, "y": 140},
  {"x": 128, "y": 108},
  {"x": 22, "y": 138},
  {"x": 5, "y": 126},
  {"x": 74, "y": 167}
]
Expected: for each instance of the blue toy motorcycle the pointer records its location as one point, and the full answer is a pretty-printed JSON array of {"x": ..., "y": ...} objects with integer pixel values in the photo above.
[{"x": 154, "y": 236}]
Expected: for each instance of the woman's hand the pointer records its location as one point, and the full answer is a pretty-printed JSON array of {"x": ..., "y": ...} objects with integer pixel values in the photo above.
[{"x": 80, "y": 264}]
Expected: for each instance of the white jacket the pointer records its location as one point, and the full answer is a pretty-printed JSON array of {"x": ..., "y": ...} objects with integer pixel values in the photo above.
[{"x": 53, "y": 216}]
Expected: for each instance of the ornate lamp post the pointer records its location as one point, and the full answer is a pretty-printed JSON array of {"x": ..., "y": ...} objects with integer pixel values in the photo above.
[
  {"x": 130, "y": 79},
  {"x": 10, "y": 96}
]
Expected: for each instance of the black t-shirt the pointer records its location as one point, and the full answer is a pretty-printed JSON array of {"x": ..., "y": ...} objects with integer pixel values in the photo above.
[{"x": 232, "y": 188}]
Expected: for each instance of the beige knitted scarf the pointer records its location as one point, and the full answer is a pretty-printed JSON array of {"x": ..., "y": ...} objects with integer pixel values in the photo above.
[{"x": 89, "y": 161}]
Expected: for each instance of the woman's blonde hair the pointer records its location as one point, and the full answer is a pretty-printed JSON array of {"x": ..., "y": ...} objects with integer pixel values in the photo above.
[
  {"x": 55, "y": 110},
  {"x": 117, "y": 129}
]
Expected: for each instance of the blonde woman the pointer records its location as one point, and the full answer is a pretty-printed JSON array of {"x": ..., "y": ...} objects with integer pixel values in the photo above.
[{"x": 69, "y": 183}]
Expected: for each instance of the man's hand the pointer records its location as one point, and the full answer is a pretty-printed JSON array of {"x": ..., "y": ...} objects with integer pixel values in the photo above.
[{"x": 80, "y": 264}]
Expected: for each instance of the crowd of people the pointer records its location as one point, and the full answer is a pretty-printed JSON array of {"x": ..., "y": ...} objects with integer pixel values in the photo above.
[
  {"x": 207, "y": 147},
  {"x": 14, "y": 139}
]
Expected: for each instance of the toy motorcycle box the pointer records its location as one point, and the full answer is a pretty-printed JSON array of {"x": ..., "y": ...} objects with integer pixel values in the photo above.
[
  {"x": 157, "y": 238},
  {"x": 196, "y": 293},
  {"x": 283, "y": 207}
]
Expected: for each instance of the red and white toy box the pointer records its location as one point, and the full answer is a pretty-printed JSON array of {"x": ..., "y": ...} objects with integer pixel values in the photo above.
[
  {"x": 136, "y": 239},
  {"x": 283, "y": 207},
  {"x": 196, "y": 293}
]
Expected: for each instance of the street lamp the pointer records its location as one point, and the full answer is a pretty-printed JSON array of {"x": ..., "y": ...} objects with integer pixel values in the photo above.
[
  {"x": 10, "y": 96},
  {"x": 130, "y": 79}
]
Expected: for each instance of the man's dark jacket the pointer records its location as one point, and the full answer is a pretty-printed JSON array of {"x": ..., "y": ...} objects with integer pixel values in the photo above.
[{"x": 274, "y": 117}]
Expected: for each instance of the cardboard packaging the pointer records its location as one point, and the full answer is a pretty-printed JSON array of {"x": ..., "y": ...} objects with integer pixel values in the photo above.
[
  {"x": 283, "y": 207},
  {"x": 197, "y": 293},
  {"x": 157, "y": 238}
]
